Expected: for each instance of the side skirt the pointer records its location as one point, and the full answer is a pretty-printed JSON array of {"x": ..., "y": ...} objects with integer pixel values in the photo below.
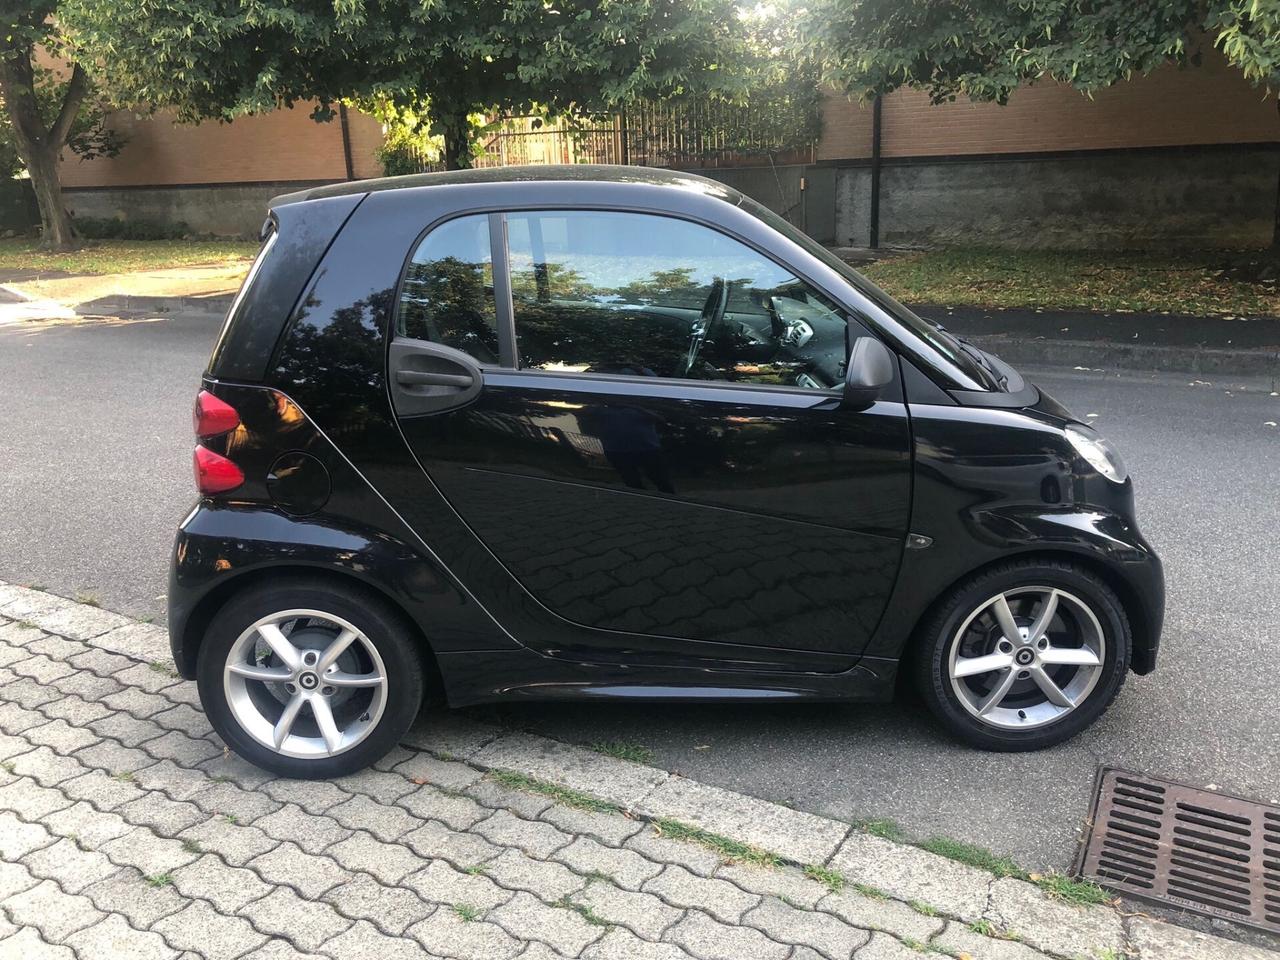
[{"x": 490, "y": 676}]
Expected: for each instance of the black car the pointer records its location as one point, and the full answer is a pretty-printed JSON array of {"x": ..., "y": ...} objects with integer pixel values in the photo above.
[{"x": 617, "y": 433}]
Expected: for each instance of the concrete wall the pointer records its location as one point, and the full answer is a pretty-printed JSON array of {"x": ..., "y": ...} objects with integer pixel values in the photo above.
[
  {"x": 1210, "y": 197},
  {"x": 223, "y": 209}
]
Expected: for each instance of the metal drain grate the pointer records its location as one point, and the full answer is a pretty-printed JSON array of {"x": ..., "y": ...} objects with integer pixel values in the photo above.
[{"x": 1173, "y": 844}]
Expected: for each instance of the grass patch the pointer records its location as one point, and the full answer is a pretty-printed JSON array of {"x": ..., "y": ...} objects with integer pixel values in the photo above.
[
  {"x": 124, "y": 256},
  {"x": 124, "y": 776},
  {"x": 191, "y": 846},
  {"x": 467, "y": 912},
  {"x": 161, "y": 667},
  {"x": 733, "y": 850},
  {"x": 920, "y": 907},
  {"x": 974, "y": 856},
  {"x": 874, "y": 893},
  {"x": 834, "y": 880},
  {"x": 564, "y": 795},
  {"x": 1111, "y": 280},
  {"x": 230, "y": 818},
  {"x": 1061, "y": 887},
  {"x": 8, "y": 766},
  {"x": 984, "y": 928},
  {"x": 159, "y": 880},
  {"x": 88, "y": 599},
  {"x": 624, "y": 751},
  {"x": 585, "y": 912},
  {"x": 883, "y": 828},
  {"x": 27, "y": 625}
]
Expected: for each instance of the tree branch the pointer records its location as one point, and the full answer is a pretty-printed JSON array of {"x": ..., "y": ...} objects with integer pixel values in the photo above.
[
  {"x": 71, "y": 100},
  {"x": 17, "y": 85}
]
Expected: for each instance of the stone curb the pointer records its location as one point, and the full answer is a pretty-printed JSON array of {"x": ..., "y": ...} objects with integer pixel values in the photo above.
[
  {"x": 131, "y": 304},
  {"x": 903, "y": 872},
  {"x": 1152, "y": 358}
]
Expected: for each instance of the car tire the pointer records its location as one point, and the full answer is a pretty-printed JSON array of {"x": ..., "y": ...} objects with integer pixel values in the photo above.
[
  {"x": 964, "y": 633},
  {"x": 371, "y": 692}
]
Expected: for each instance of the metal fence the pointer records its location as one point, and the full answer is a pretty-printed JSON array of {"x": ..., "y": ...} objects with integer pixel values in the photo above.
[{"x": 701, "y": 135}]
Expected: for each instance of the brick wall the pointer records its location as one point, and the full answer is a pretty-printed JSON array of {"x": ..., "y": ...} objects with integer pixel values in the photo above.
[
  {"x": 1209, "y": 104},
  {"x": 283, "y": 146}
]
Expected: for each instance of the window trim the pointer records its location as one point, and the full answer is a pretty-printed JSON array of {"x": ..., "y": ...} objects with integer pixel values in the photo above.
[
  {"x": 502, "y": 303},
  {"x": 507, "y": 337},
  {"x": 843, "y": 310},
  {"x": 500, "y": 319}
]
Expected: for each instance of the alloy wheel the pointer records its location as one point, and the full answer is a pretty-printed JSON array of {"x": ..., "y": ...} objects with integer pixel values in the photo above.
[
  {"x": 305, "y": 683},
  {"x": 1026, "y": 657}
]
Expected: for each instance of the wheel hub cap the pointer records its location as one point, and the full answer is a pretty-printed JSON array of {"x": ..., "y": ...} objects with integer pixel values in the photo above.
[
  {"x": 1026, "y": 657},
  {"x": 305, "y": 683}
]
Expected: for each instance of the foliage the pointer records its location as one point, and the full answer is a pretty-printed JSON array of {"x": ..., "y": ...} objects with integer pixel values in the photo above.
[
  {"x": 407, "y": 141},
  {"x": 91, "y": 134},
  {"x": 46, "y": 111},
  {"x": 118, "y": 256},
  {"x": 1149, "y": 282},
  {"x": 624, "y": 751},
  {"x": 834, "y": 880},
  {"x": 986, "y": 50},
  {"x": 225, "y": 58},
  {"x": 1079, "y": 892}
]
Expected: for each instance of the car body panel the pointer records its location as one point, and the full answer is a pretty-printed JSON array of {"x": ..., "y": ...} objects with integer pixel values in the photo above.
[{"x": 463, "y": 547}]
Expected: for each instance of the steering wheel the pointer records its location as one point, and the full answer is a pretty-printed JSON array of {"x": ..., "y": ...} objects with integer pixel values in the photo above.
[{"x": 713, "y": 312}]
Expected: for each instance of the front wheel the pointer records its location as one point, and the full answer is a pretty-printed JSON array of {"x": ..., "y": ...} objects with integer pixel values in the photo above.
[
  {"x": 309, "y": 679},
  {"x": 1024, "y": 656}
]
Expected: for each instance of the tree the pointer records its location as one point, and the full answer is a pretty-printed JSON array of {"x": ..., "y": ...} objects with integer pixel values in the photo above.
[
  {"x": 46, "y": 113},
  {"x": 985, "y": 49},
  {"x": 460, "y": 58}
]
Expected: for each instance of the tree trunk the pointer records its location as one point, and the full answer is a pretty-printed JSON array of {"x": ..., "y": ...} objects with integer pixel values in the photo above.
[
  {"x": 457, "y": 142},
  {"x": 1275, "y": 226},
  {"x": 40, "y": 147},
  {"x": 56, "y": 230}
]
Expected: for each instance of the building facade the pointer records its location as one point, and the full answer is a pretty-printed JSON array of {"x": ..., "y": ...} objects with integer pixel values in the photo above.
[{"x": 1187, "y": 157}]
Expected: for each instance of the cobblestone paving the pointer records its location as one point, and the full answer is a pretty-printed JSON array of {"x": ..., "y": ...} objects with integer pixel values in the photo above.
[{"x": 128, "y": 831}]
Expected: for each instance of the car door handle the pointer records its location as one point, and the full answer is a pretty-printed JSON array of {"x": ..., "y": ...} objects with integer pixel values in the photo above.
[{"x": 430, "y": 378}]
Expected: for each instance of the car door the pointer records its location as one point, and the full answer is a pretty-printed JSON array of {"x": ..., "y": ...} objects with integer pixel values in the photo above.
[{"x": 639, "y": 418}]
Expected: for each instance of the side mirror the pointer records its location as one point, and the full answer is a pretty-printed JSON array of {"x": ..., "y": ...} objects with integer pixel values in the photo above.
[{"x": 869, "y": 371}]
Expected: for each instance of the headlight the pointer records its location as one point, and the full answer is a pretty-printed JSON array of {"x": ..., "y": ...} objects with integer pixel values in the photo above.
[{"x": 1099, "y": 454}]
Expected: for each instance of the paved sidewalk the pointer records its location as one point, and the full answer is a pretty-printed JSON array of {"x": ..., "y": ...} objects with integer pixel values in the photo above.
[{"x": 127, "y": 830}]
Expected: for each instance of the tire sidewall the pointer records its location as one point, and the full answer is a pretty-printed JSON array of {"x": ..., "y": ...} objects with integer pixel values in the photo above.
[
  {"x": 374, "y": 619},
  {"x": 936, "y": 681}
]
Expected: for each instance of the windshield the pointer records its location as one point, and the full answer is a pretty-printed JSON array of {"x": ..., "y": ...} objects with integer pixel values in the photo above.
[{"x": 966, "y": 361}]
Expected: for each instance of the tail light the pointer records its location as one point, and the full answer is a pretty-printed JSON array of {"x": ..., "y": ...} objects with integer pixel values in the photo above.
[
  {"x": 215, "y": 473},
  {"x": 211, "y": 418}
]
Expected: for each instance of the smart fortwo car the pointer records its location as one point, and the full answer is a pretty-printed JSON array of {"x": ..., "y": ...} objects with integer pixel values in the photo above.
[{"x": 622, "y": 434}]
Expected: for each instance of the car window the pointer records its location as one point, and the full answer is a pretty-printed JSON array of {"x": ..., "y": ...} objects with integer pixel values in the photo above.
[
  {"x": 645, "y": 295},
  {"x": 447, "y": 295}
]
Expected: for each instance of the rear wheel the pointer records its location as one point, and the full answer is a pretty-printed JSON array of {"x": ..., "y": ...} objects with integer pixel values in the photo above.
[
  {"x": 1024, "y": 656},
  {"x": 309, "y": 680}
]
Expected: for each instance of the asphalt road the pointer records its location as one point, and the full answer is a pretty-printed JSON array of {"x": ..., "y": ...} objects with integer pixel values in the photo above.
[{"x": 94, "y": 476}]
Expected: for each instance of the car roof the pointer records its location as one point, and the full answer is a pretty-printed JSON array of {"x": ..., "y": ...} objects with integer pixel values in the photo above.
[{"x": 540, "y": 173}]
